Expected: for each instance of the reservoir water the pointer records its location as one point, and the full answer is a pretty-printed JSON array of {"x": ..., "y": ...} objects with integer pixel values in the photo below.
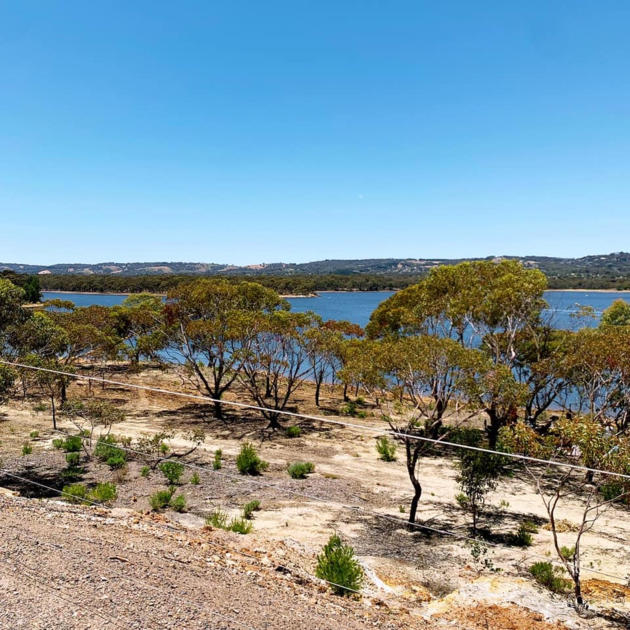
[{"x": 356, "y": 306}]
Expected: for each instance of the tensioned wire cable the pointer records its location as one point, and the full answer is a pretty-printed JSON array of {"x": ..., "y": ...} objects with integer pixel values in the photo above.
[
  {"x": 353, "y": 508},
  {"x": 360, "y": 427}
]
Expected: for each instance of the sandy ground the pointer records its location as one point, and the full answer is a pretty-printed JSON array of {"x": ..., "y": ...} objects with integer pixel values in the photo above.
[{"x": 429, "y": 574}]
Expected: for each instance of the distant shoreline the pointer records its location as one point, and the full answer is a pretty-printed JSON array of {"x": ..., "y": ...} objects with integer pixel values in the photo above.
[{"x": 587, "y": 290}]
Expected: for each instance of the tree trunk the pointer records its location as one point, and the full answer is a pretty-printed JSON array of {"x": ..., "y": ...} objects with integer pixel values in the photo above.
[
  {"x": 64, "y": 393},
  {"x": 318, "y": 386},
  {"x": 345, "y": 393},
  {"x": 54, "y": 412},
  {"x": 274, "y": 422},
  {"x": 493, "y": 429},
  {"x": 218, "y": 410}
]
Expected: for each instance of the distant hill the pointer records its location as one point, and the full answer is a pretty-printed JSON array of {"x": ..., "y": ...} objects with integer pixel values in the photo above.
[{"x": 601, "y": 271}]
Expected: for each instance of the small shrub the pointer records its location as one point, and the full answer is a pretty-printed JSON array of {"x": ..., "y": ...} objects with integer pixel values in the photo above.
[
  {"x": 75, "y": 493},
  {"x": 104, "y": 492},
  {"x": 107, "y": 452},
  {"x": 218, "y": 519},
  {"x": 549, "y": 576},
  {"x": 338, "y": 566},
  {"x": 250, "y": 508},
  {"x": 34, "y": 434},
  {"x": 73, "y": 458},
  {"x": 58, "y": 443},
  {"x": 348, "y": 409},
  {"x": 173, "y": 471},
  {"x": 240, "y": 526},
  {"x": 195, "y": 479},
  {"x": 179, "y": 503},
  {"x": 40, "y": 407},
  {"x": 145, "y": 471},
  {"x": 217, "y": 463},
  {"x": 117, "y": 461},
  {"x": 294, "y": 431},
  {"x": 522, "y": 537},
  {"x": 567, "y": 552},
  {"x": 161, "y": 499},
  {"x": 361, "y": 414},
  {"x": 530, "y": 526},
  {"x": 27, "y": 449},
  {"x": 299, "y": 470},
  {"x": 386, "y": 449},
  {"x": 610, "y": 491},
  {"x": 72, "y": 444},
  {"x": 248, "y": 462}
]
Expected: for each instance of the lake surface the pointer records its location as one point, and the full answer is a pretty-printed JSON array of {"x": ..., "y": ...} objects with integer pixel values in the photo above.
[{"x": 357, "y": 306}]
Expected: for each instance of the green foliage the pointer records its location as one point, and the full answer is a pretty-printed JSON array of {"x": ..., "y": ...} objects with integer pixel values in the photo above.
[
  {"x": 104, "y": 492},
  {"x": 145, "y": 471},
  {"x": 173, "y": 471},
  {"x": 218, "y": 519},
  {"x": 194, "y": 480},
  {"x": 73, "y": 458},
  {"x": 34, "y": 434},
  {"x": 107, "y": 450},
  {"x": 250, "y": 508},
  {"x": 161, "y": 499},
  {"x": 522, "y": 537},
  {"x": 248, "y": 462},
  {"x": 240, "y": 526},
  {"x": 612, "y": 490},
  {"x": 299, "y": 470},
  {"x": 72, "y": 444},
  {"x": 218, "y": 459},
  {"x": 617, "y": 314},
  {"x": 294, "y": 431},
  {"x": 550, "y": 577},
  {"x": 338, "y": 565},
  {"x": 567, "y": 552},
  {"x": 386, "y": 449},
  {"x": 117, "y": 461},
  {"x": 530, "y": 527},
  {"x": 179, "y": 503},
  {"x": 58, "y": 443},
  {"x": 75, "y": 493},
  {"x": 352, "y": 409},
  {"x": 27, "y": 449}
]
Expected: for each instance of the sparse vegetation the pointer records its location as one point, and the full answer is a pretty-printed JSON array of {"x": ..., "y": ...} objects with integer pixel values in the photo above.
[
  {"x": 248, "y": 462},
  {"x": 386, "y": 449},
  {"x": 194, "y": 479},
  {"x": 550, "y": 577},
  {"x": 217, "y": 463},
  {"x": 173, "y": 471},
  {"x": 338, "y": 565},
  {"x": 161, "y": 499},
  {"x": 104, "y": 493},
  {"x": 249, "y": 509},
  {"x": 299, "y": 470},
  {"x": 293, "y": 431},
  {"x": 27, "y": 449}
]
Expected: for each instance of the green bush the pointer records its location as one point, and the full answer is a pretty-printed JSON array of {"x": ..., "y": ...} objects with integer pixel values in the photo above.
[
  {"x": 240, "y": 526},
  {"x": 73, "y": 458},
  {"x": 161, "y": 499},
  {"x": 294, "y": 431},
  {"x": 34, "y": 434},
  {"x": 179, "y": 503},
  {"x": 27, "y": 449},
  {"x": 117, "y": 461},
  {"x": 72, "y": 444},
  {"x": 248, "y": 462},
  {"x": 106, "y": 448},
  {"x": 530, "y": 526},
  {"x": 75, "y": 493},
  {"x": 58, "y": 443},
  {"x": 217, "y": 463},
  {"x": 173, "y": 471},
  {"x": 386, "y": 449},
  {"x": 250, "y": 508},
  {"x": 218, "y": 519},
  {"x": 195, "y": 480},
  {"x": 549, "y": 576},
  {"x": 610, "y": 491},
  {"x": 338, "y": 566},
  {"x": 522, "y": 537},
  {"x": 104, "y": 492},
  {"x": 299, "y": 470},
  {"x": 145, "y": 471}
]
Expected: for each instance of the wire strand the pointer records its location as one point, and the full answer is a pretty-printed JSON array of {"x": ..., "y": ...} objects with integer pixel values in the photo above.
[{"x": 351, "y": 425}]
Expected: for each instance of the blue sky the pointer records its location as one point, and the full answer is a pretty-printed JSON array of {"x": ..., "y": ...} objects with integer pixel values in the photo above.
[{"x": 248, "y": 132}]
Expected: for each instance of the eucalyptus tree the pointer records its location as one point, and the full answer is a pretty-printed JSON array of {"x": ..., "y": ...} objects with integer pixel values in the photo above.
[
  {"x": 494, "y": 306},
  {"x": 617, "y": 314},
  {"x": 275, "y": 361},
  {"x": 577, "y": 441},
  {"x": 324, "y": 343},
  {"x": 11, "y": 311},
  {"x": 209, "y": 324},
  {"x": 139, "y": 323},
  {"x": 420, "y": 382}
]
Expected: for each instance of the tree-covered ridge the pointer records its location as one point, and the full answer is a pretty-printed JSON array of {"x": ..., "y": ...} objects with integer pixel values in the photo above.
[{"x": 611, "y": 271}]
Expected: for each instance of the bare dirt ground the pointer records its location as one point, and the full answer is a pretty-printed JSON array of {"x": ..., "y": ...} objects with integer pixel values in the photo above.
[{"x": 415, "y": 578}]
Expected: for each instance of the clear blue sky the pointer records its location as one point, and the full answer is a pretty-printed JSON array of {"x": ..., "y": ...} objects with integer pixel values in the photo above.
[{"x": 244, "y": 132}]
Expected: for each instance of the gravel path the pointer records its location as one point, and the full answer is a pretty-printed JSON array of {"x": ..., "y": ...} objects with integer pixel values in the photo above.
[{"x": 67, "y": 567}]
